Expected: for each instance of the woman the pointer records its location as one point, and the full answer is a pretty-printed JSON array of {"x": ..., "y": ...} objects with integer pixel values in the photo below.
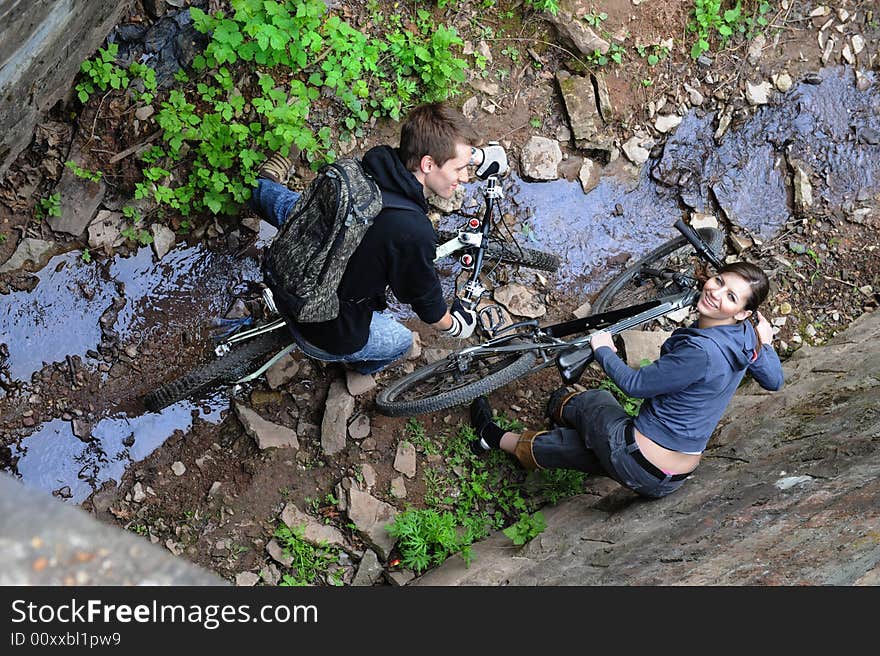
[{"x": 685, "y": 393}]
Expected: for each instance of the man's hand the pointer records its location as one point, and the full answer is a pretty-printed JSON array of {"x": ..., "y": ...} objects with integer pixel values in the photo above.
[
  {"x": 494, "y": 161},
  {"x": 602, "y": 338},
  {"x": 463, "y": 320}
]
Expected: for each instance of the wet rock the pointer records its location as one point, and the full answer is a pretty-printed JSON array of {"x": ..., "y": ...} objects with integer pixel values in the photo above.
[
  {"x": 756, "y": 48},
  {"x": 282, "y": 371},
  {"x": 266, "y": 434},
  {"x": 741, "y": 242},
  {"x": 588, "y": 175},
  {"x": 63, "y": 492},
  {"x": 782, "y": 81},
  {"x": 214, "y": 490},
  {"x": 138, "y": 495},
  {"x": 694, "y": 96},
  {"x": 369, "y": 571},
  {"x": 405, "y": 459},
  {"x": 81, "y": 429},
  {"x": 812, "y": 78},
  {"x": 758, "y": 94},
  {"x": 37, "y": 251},
  {"x": 315, "y": 532},
  {"x": 540, "y": 158},
  {"x": 105, "y": 231},
  {"x": 606, "y": 110},
  {"x": 869, "y": 136},
  {"x": 666, "y": 122},
  {"x": 520, "y": 301},
  {"x": 270, "y": 574},
  {"x": 486, "y": 87},
  {"x": 357, "y": 383},
  {"x": 638, "y": 148},
  {"x": 359, "y": 428},
  {"x": 803, "y": 190},
  {"x": 370, "y": 516},
  {"x": 163, "y": 239},
  {"x": 334, "y": 425}
]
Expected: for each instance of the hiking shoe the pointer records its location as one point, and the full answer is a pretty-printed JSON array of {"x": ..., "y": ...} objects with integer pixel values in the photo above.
[
  {"x": 556, "y": 403},
  {"x": 277, "y": 169}
]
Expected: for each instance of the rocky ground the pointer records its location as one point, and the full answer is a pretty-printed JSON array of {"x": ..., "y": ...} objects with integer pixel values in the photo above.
[{"x": 307, "y": 445}]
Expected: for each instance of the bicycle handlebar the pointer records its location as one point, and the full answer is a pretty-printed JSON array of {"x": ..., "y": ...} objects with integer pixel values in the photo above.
[{"x": 703, "y": 249}]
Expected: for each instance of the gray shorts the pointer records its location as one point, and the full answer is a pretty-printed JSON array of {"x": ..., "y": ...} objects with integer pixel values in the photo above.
[{"x": 597, "y": 444}]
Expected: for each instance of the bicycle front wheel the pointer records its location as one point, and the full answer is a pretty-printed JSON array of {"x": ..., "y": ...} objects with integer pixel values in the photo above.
[
  {"x": 455, "y": 380},
  {"x": 512, "y": 253},
  {"x": 641, "y": 281},
  {"x": 241, "y": 361}
]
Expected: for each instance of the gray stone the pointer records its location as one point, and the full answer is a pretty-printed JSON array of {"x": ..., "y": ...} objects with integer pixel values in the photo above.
[
  {"x": 282, "y": 371},
  {"x": 371, "y": 516},
  {"x": 266, "y": 434},
  {"x": 520, "y": 301},
  {"x": 315, "y": 532},
  {"x": 43, "y": 44},
  {"x": 80, "y": 199},
  {"x": 584, "y": 119},
  {"x": 638, "y": 148},
  {"x": 588, "y": 175},
  {"x": 358, "y": 384},
  {"x": 758, "y": 94},
  {"x": 405, "y": 459},
  {"x": 359, "y": 428},
  {"x": 246, "y": 579},
  {"x": 276, "y": 551},
  {"x": 369, "y": 571},
  {"x": 334, "y": 425},
  {"x": 666, "y": 122},
  {"x": 540, "y": 158},
  {"x": 105, "y": 231},
  {"x": 398, "y": 487},
  {"x": 576, "y": 31},
  {"x": 36, "y": 251},
  {"x": 163, "y": 239},
  {"x": 178, "y": 468}
]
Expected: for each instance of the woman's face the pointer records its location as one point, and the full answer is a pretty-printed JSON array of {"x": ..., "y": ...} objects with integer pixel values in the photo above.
[{"x": 724, "y": 298}]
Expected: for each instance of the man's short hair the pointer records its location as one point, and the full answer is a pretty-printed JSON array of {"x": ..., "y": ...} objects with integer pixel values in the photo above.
[{"x": 433, "y": 129}]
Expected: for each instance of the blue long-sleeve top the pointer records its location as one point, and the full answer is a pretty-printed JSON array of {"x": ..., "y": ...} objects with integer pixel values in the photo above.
[{"x": 687, "y": 389}]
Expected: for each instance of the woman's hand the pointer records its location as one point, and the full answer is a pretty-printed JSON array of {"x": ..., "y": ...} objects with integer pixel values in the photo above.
[
  {"x": 602, "y": 338},
  {"x": 764, "y": 329}
]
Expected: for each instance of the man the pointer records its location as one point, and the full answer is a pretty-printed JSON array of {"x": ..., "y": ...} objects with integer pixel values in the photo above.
[{"x": 437, "y": 145}]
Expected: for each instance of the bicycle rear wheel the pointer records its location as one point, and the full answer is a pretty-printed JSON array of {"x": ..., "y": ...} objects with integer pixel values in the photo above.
[
  {"x": 512, "y": 253},
  {"x": 639, "y": 282},
  {"x": 452, "y": 381},
  {"x": 239, "y": 362}
]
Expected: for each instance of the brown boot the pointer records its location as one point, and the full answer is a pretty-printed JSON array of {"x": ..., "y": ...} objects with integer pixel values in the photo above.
[
  {"x": 556, "y": 403},
  {"x": 524, "y": 450},
  {"x": 276, "y": 168}
]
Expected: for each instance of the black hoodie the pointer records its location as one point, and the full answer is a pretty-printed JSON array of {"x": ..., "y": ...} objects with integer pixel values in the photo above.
[{"x": 397, "y": 252}]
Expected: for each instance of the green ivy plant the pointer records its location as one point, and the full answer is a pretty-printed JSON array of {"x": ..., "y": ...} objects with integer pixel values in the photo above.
[
  {"x": 49, "y": 206},
  {"x": 526, "y": 528}
]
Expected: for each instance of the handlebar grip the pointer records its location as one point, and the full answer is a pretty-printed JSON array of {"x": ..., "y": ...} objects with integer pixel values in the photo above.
[{"x": 703, "y": 249}]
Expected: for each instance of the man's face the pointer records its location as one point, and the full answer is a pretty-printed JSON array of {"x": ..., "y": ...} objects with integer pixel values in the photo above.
[{"x": 444, "y": 180}]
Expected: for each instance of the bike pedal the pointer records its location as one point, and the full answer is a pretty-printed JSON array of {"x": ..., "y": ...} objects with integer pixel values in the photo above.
[{"x": 491, "y": 318}]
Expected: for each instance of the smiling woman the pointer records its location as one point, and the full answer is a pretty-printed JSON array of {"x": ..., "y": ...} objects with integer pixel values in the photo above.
[{"x": 685, "y": 393}]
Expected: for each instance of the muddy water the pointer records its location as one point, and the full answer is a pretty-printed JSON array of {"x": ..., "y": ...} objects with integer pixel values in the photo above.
[{"x": 828, "y": 127}]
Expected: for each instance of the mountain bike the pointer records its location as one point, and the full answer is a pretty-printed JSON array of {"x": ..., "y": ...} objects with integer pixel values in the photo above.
[
  {"x": 665, "y": 280},
  {"x": 245, "y": 353}
]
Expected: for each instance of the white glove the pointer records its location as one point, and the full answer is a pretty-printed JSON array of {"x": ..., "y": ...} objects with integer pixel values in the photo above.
[
  {"x": 494, "y": 161},
  {"x": 463, "y": 320}
]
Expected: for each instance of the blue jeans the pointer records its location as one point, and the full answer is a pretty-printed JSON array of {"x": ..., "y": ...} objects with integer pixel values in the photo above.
[
  {"x": 596, "y": 444},
  {"x": 388, "y": 339}
]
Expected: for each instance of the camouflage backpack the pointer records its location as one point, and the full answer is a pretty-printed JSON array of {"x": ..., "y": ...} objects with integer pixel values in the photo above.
[{"x": 303, "y": 265}]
